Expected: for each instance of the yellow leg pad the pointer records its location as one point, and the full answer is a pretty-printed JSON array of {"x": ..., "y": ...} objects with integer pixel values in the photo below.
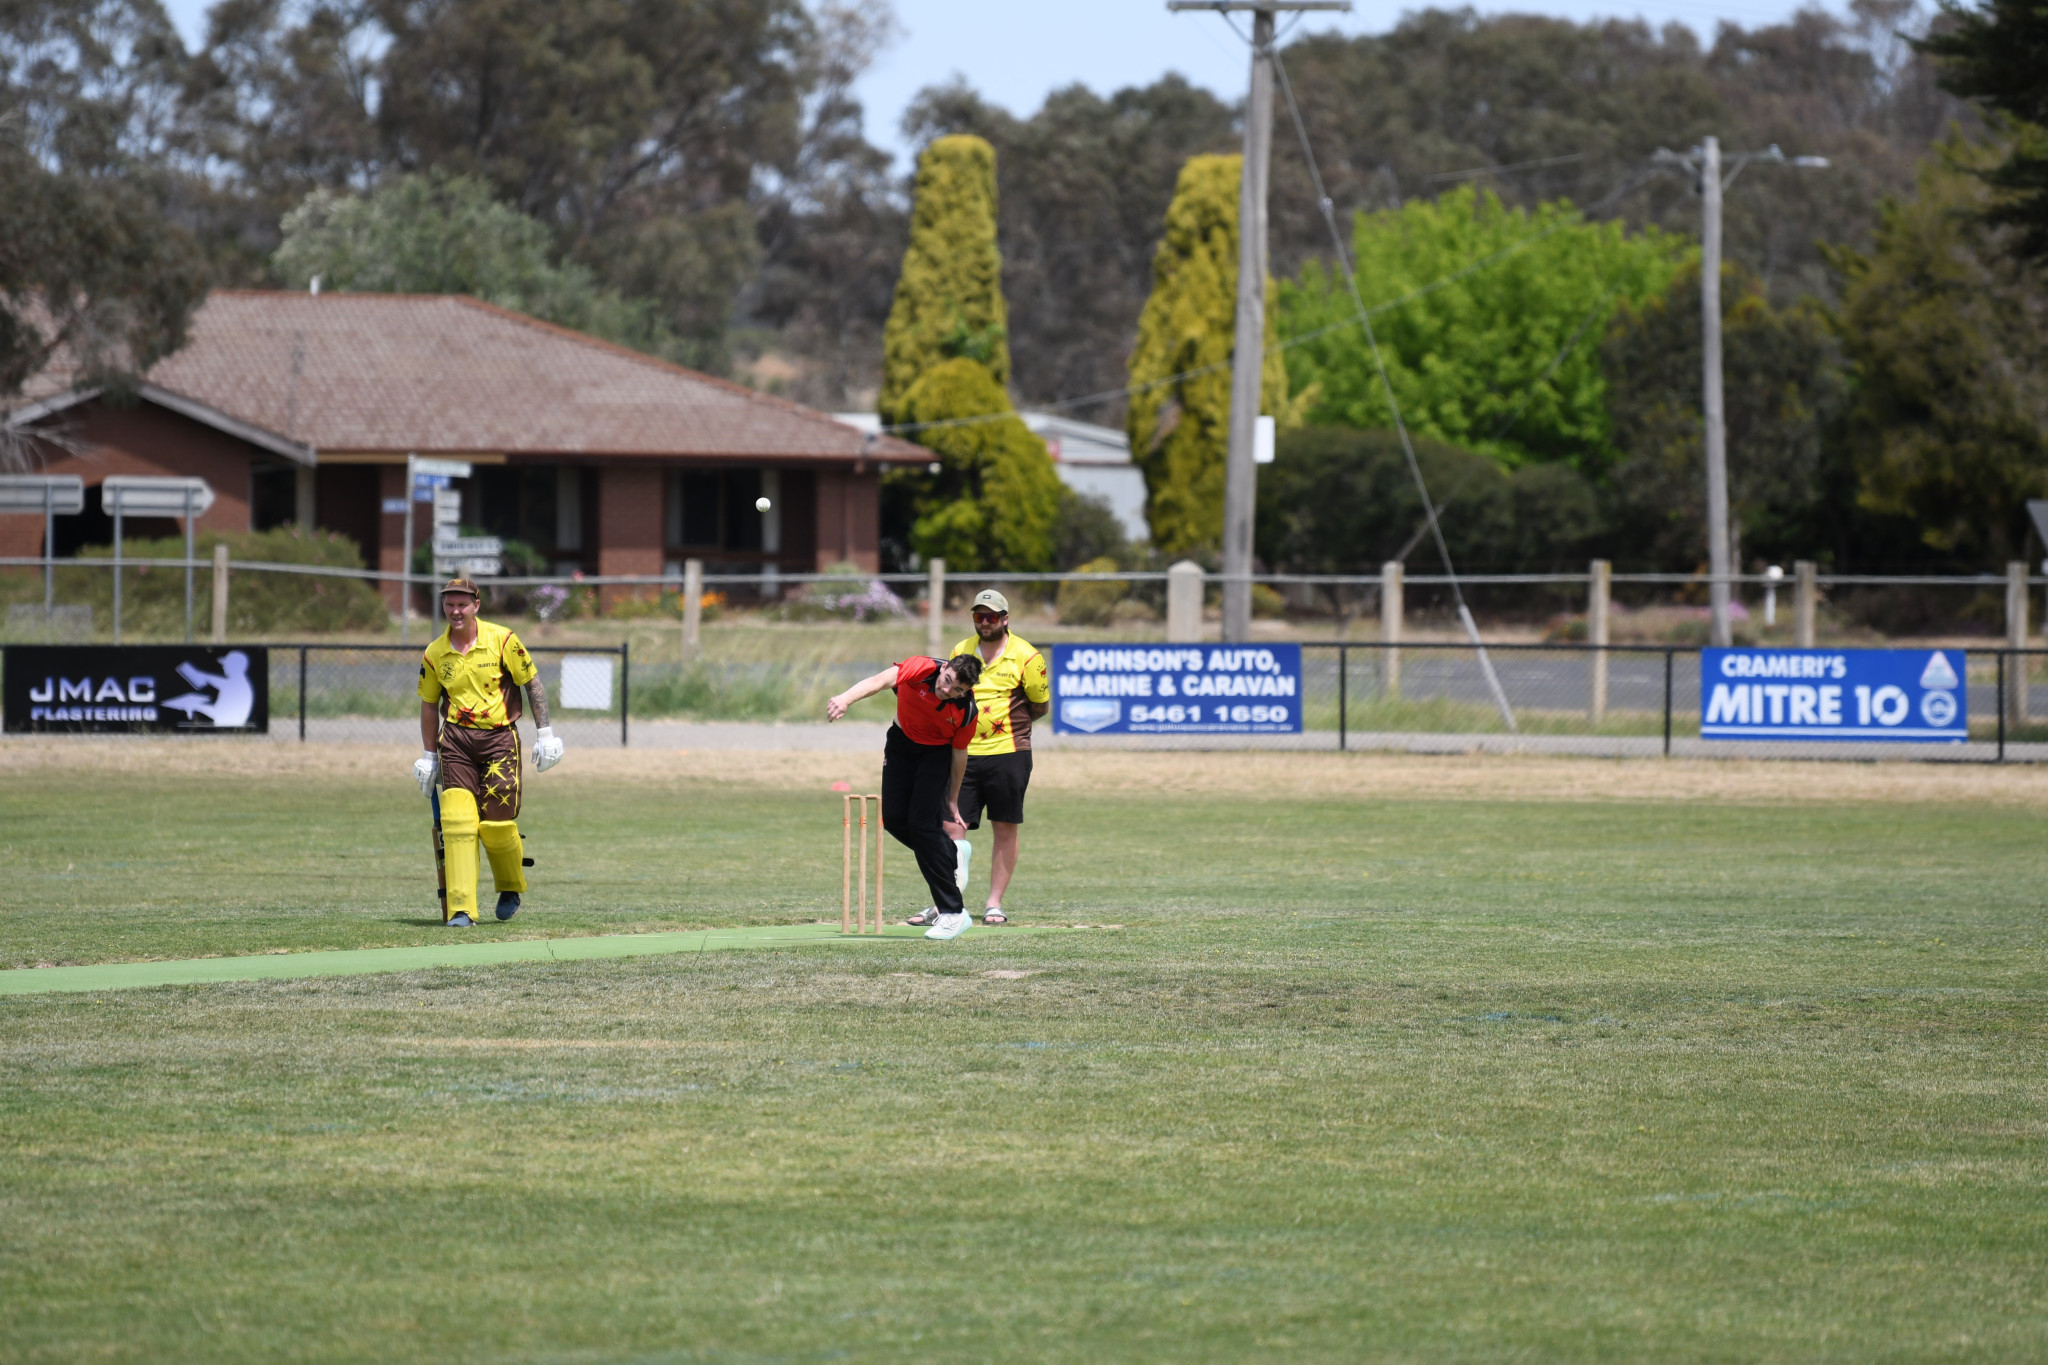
[
  {"x": 458, "y": 844},
  {"x": 502, "y": 846}
]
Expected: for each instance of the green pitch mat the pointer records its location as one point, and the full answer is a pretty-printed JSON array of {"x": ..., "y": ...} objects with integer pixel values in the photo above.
[{"x": 115, "y": 976}]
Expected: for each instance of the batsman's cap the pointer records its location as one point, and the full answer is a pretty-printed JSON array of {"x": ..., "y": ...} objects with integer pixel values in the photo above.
[
  {"x": 993, "y": 600},
  {"x": 467, "y": 585}
]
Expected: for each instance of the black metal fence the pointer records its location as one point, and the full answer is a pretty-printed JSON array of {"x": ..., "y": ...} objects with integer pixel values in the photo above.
[
  {"x": 354, "y": 693},
  {"x": 1617, "y": 700}
]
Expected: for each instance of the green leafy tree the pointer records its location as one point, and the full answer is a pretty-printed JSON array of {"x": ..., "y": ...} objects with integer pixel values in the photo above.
[
  {"x": 96, "y": 260},
  {"x": 1548, "y": 108},
  {"x": 995, "y": 503},
  {"x": 1475, "y": 361},
  {"x": 1179, "y": 419},
  {"x": 1998, "y": 56},
  {"x": 88, "y": 267},
  {"x": 949, "y": 296},
  {"x": 1338, "y": 500},
  {"x": 441, "y": 234},
  {"x": 1947, "y": 334},
  {"x": 1782, "y": 390}
]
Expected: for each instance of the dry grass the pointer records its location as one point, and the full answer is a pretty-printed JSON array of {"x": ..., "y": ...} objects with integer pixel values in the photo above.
[{"x": 1308, "y": 776}]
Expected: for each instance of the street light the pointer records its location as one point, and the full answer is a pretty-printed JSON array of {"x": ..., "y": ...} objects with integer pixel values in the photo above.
[{"x": 1704, "y": 163}]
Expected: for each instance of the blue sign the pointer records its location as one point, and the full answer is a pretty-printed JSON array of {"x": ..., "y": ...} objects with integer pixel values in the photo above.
[
  {"x": 1891, "y": 694},
  {"x": 1176, "y": 689}
]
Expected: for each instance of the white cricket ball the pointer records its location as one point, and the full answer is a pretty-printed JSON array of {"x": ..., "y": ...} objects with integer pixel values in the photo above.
[{"x": 760, "y": 504}]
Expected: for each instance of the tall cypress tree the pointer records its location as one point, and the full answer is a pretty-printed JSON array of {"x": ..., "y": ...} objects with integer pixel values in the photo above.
[
  {"x": 995, "y": 502},
  {"x": 1179, "y": 422},
  {"x": 949, "y": 298}
]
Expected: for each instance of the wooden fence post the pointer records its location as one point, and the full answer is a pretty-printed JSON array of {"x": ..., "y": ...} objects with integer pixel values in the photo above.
[
  {"x": 220, "y": 592},
  {"x": 1803, "y": 594},
  {"x": 693, "y": 607},
  {"x": 1391, "y": 610},
  {"x": 1599, "y": 587}
]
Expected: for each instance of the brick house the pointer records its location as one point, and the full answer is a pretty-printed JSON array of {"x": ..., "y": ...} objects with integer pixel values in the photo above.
[{"x": 302, "y": 408}]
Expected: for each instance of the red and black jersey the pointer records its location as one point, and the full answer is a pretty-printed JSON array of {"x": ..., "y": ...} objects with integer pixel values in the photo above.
[{"x": 923, "y": 715}]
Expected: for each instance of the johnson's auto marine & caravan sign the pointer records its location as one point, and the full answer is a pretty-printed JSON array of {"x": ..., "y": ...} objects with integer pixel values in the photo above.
[
  {"x": 1176, "y": 689},
  {"x": 127, "y": 689}
]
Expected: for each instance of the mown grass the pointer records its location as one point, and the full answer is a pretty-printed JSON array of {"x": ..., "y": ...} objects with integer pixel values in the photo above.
[{"x": 1357, "y": 1079}]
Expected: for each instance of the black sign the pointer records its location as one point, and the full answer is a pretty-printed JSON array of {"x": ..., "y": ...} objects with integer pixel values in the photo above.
[{"x": 129, "y": 689}]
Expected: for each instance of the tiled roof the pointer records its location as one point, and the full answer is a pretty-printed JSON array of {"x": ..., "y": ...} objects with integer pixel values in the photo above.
[{"x": 431, "y": 373}]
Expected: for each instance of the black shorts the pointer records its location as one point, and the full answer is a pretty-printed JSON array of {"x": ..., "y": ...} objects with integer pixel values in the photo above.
[{"x": 995, "y": 783}]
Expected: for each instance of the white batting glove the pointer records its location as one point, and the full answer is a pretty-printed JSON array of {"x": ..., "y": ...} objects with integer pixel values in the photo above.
[
  {"x": 547, "y": 749},
  {"x": 426, "y": 770}
]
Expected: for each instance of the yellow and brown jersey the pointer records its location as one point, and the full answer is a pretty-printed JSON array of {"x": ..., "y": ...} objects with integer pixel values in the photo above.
[
  {"x": 1009, "y": 684},
  {"x": 474, "y": 682}
]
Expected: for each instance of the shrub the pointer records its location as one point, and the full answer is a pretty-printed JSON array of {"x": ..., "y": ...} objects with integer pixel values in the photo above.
[
  {"x": 259, "y": 602},
  {"x": 1092, "y": 604},
  {"x": 848, "y": 595}
]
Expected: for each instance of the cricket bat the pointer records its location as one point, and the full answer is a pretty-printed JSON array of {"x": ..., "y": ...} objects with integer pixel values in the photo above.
[{"x": 440, "y": 854}]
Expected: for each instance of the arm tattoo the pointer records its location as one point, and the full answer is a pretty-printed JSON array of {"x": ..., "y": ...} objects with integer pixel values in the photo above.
[{"x": 537, "y": 697}]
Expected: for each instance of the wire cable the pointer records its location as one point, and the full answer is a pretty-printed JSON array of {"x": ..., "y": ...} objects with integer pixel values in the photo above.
[{"x": 1337, "y": 243}]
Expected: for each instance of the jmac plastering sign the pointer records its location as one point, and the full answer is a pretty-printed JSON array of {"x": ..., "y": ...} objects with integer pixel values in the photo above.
[
  {"x": 1176, "y": 689},
  {"x": 1913, "y": 695},
  {"x": 120, "y": 689}
]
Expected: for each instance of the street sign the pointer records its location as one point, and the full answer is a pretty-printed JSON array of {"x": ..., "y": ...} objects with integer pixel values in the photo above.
[
  {"x": 447, "y": 469},
  {"x": 455, "y": 547},
  {"x": 469, "y": 556},
  {"x": 26, "y": 493},
  {"x": 1902, "y": 695},
  {"x": 136, "y": 495}
]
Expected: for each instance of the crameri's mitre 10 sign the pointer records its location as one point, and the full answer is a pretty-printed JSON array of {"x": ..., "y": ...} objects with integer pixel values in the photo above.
[
  {"x": 121, "y": 689},
  {"x": 1914, "y": 695}
]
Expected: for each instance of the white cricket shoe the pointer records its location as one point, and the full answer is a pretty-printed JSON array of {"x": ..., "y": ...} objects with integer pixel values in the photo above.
[
  {"x": 963, "y": 859},
  {"x": 949, "y": 926},
  {"x": 459, "y": 920}
]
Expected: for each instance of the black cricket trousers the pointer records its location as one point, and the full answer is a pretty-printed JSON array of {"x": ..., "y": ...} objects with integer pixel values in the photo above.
[{"x": 914, "y": 781}]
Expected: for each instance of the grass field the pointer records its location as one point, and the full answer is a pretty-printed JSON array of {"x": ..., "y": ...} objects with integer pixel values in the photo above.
[{"x": 1474, "y": 1059}]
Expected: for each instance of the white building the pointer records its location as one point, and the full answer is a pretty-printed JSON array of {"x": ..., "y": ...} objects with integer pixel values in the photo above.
[{"x": 1094, "y": 461}]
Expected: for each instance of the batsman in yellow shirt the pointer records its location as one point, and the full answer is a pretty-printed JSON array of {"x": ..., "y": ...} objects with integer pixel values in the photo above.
[
  {"x": 469, "y": 703},
  {"x": 1015, "y": 690}
]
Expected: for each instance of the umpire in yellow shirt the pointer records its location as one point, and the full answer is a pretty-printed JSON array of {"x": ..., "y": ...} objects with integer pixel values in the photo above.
[
  {"x": 469, "y": 704},
  {"x": 1015, "y": 689}
]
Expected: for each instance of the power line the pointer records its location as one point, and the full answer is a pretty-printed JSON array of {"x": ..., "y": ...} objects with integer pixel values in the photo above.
[
  {"x": 1478, "y": 171},
  {"x": 1500, "y": 696}
]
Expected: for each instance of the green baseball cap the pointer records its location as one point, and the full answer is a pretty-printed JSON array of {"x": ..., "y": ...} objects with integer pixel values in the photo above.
[{"x": 993, "y": 600}]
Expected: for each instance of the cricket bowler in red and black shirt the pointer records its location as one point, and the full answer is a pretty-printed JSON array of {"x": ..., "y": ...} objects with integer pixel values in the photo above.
[{"x": 923, "y": 761}]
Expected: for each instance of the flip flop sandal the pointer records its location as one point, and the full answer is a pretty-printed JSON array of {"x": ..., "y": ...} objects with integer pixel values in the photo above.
[
  {"x": 924, "y": 917},
  {"x": 995, "y": 917}
]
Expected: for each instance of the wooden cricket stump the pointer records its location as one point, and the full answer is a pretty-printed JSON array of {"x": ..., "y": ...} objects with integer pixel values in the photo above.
[{"x": 848, "y": 903}]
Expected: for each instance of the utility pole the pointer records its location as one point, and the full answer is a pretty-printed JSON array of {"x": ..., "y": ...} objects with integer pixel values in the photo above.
[
  {"x": 1710, "y": 384},
  {"x": 1247, "y": 357},
  {"x": 1704, "y": 162}
]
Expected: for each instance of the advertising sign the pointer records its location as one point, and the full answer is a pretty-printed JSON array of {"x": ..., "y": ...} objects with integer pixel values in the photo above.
[
  {"x": 1911, "y": 695},
  {"x": 1176, "y": 689},
  {"x": 136, "y": 689}
]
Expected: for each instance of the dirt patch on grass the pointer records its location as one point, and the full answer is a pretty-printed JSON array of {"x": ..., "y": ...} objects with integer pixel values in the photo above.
[{"x": 1300, "y": 776}]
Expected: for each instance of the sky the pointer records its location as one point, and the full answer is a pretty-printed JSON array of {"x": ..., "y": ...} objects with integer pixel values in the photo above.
[{"x": 1015, "y": 53}]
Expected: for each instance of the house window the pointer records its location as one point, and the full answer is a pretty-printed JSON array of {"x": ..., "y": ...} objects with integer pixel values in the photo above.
[{"x": 714, "y": 509}]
